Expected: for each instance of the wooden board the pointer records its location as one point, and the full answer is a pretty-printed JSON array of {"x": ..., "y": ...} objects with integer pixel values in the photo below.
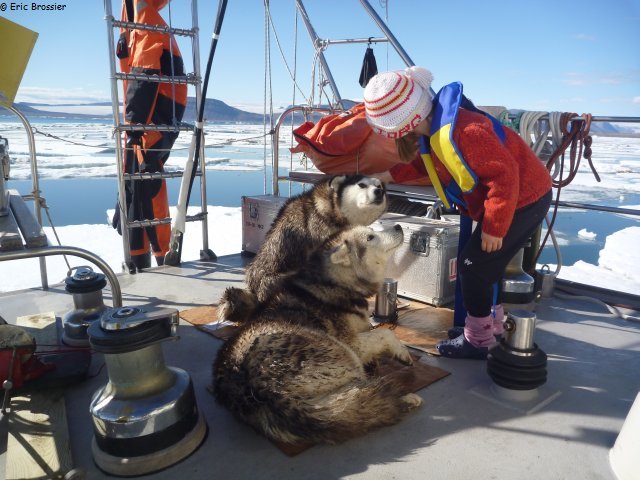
[
  {"x": 419, "y": 326},
  {"x": 38, "y": 444}
]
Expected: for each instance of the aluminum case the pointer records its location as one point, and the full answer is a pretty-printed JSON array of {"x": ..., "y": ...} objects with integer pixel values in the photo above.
[
  {"x": 425, "y": 266},
  {"x": 258, "y": 213}
]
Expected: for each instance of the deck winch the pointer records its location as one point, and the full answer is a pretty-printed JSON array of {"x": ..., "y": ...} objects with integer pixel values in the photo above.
[
  {"x": 518, "y": 287},
  {"x": 86, "y": 287},
  {"x": 517, "y": 363},
  {"x": 145, "y": 418}
]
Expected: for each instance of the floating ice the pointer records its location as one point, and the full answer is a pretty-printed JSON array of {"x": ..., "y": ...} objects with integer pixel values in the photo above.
[
  {"x": 586, "y": 234},
  {"x": 618, "y": 265}
]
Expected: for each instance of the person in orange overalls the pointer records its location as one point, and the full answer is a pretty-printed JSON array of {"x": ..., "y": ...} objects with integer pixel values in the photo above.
[{"x": 147, "y": 102}]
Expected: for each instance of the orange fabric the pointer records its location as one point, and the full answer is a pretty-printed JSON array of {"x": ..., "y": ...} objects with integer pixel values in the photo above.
[
  {"x": 345, "y": 143},
  {"x": 146, "y": 47},
  {"x": 142, "y": 51}
]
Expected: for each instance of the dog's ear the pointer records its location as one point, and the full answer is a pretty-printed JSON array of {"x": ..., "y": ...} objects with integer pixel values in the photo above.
[
  {"x": 336, "y": 181},
  {"x": 340, "y": 254}
]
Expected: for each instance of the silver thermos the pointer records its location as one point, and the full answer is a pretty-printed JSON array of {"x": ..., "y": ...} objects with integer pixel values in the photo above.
[{"x": 386, "y": 309}]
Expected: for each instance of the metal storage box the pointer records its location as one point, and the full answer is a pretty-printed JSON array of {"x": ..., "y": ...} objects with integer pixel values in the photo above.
[
  {"x": 258, "y": 213},
  {"x": 425, "y": 266}
]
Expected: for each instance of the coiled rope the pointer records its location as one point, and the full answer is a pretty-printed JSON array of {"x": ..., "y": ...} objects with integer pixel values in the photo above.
[{"x": 550, "y": 135}]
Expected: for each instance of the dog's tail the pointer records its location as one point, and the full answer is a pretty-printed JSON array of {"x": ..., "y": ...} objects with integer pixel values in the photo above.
[
  {"x": 356, "y": 410},
  {"x": 236, "y": 305},
  {"x": 335, "y": 418}
]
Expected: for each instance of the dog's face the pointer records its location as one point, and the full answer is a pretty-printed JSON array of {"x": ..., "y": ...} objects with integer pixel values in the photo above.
[
  {"x": 362, "y": 199},
  {"x": 360, "y": 254}
]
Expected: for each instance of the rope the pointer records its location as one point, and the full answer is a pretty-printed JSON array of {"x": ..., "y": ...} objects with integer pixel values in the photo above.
[
  {"x": 43, "y": 204},
  {"x": 556, "y": 141},
  {"x": 50, "y": 135},
  {"x": 613, "y": 310},
  {"x": 534, "y": 131},
  {"x": 575, "y": 137}
]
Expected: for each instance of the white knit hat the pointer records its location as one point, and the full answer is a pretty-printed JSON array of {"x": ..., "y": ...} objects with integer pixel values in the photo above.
[{"x": 396, "y": 102}]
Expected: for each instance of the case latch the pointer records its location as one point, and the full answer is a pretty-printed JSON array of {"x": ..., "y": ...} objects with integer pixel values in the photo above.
[
  {"x": 419, "y": 243},
  {"x": 253, "y": 210}
]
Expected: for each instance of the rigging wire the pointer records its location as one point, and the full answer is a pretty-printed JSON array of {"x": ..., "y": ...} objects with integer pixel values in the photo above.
[
  {"x": 275, "y": 35},
  {"x": 43, "y": 204},
  {"x": 267, "y": 92},
  {"x": 293, "y": 89},
  {"x": 214, "y": 144}
]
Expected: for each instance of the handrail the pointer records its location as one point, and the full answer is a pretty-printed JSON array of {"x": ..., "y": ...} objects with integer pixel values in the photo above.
[
  {"x": 599, "y": 208},
  {"x": 116, "y": 293},
  {"x": 35, "y": 184},
  {"x": 276, "y": 138},
  {"x": 594, "y": 118}
]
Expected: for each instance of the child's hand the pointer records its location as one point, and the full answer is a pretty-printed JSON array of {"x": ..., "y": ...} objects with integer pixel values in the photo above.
[
  {"x": 490, "y": 244},
  {"x": 383, "y": 176}
]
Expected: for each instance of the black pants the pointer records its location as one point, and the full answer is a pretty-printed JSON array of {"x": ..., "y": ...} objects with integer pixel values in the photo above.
[{"x": 479, "y": 270}]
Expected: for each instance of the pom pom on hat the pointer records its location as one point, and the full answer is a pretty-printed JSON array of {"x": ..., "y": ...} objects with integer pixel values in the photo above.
[
  {"x": 396, "y": 102},
  {"x": 421, "y": 75}
]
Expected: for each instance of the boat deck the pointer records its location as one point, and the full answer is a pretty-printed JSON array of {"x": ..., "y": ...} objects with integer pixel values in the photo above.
[{"x": 462, "y": 431}]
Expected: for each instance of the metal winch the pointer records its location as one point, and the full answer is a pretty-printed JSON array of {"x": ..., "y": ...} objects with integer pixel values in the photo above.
[
  {"x": 145, "y": 418},
  {"x": 86, "y": 287},
  {"x": 517, "y": 285},
  {"x": 517, "y": 363}
]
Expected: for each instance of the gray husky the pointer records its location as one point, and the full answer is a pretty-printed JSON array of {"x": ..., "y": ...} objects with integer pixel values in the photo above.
[
  {"x": 296, "y": 371},
  {"x": 305, "y": 221}
]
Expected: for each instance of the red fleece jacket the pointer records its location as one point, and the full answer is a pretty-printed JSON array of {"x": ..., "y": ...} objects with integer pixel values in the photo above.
[{"x": 510, "y": 175}]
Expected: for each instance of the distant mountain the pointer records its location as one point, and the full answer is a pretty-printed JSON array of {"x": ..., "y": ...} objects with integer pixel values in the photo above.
[
  {"x": 215, "y": 111},
  {"x": 219, "y": 112}
]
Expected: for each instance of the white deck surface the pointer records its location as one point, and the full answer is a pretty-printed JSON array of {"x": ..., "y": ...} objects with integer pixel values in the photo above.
[{"x": 461, "y": 432}]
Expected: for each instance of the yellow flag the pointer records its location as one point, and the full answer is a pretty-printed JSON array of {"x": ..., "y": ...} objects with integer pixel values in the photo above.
[{"x": 14, "y": 59}]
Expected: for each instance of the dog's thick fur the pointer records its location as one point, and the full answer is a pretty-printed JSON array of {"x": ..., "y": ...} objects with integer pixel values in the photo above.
[
  {"x": 296, "y": 371},
  {"x": 305, "y": 221}
]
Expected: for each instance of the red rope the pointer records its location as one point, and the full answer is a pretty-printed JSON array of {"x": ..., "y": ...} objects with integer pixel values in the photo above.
[{"x": 574, "y": 139}]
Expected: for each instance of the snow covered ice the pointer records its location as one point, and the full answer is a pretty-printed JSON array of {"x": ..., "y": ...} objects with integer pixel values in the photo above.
[{"x": 240, "y": 148}]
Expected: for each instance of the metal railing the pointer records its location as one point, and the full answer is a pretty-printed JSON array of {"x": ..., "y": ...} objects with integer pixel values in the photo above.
[{"x": 42, "y": 252}]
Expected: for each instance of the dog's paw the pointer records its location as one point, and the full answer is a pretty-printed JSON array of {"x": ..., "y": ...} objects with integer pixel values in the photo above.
[
  {"x": 403, "y": 356},
  {"x": 412, "y": 401}
]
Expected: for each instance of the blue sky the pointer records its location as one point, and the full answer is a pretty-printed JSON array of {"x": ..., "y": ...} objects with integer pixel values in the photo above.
[{"x": 545, "y": 55}]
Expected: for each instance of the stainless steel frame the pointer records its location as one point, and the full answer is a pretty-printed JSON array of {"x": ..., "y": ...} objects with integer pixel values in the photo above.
[{"x": 119, "y": 127}]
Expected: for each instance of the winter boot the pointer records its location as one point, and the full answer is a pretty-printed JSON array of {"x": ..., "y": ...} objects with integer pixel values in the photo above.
[{"x": 475, "y": 341}]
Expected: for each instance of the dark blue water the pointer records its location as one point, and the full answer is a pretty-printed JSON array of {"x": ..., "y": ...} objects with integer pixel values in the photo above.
[
  {"x": 86, "y": 200},
  {"x": 570, "y": 222}
]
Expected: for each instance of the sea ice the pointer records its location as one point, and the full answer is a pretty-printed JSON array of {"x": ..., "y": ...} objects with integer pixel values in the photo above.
[{"x": 586, "y": 234}]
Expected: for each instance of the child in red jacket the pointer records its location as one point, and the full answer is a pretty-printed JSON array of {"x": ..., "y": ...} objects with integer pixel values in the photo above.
[{"x": 511, "y": 196}]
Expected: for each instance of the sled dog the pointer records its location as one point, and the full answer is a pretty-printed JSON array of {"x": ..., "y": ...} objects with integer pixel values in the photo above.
[
  {"x": 296, "y": 371},
  {"x": 306, "y": 220}
]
